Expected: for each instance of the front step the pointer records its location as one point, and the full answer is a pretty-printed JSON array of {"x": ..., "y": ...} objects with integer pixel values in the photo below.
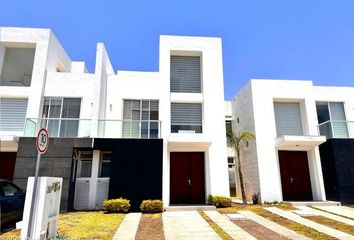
[
  {"x": 314, "y": 203},
  {"x": 190, "y": 208}
]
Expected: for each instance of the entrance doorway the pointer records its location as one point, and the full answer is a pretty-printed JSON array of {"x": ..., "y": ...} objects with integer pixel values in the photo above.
[
  {"x": 187, "y": 178},
  {"x": 295, "y": 176},
  {"x": 7, "y": 165},
  {"x": 92, "y": 179}
]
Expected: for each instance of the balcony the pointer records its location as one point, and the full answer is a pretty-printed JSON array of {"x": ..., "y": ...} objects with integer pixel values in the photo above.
[
  {"x": 81, "y": 128},
  {"x": 336, "y": 129},
  {"x": 58, "y": 127},
  {"x": 129, "y": 129}
]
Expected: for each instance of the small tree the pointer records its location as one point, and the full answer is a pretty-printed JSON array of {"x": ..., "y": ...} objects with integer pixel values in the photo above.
[{"x": 237, "y": 140}]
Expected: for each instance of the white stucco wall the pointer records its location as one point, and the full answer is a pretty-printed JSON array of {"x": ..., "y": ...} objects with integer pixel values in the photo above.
[{"x": 243, "y": 115}]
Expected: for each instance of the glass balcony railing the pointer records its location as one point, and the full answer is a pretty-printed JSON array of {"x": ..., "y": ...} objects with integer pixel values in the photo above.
[
  {"x": 336, "y": 129},
  {"x": 73, "y": 127},
  {"x": 58, "y": 127},
  {"x": 129, "y": 129}
]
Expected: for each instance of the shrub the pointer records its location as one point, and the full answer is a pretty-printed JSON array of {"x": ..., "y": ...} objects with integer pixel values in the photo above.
[
  {"x": 151, "y": 206},
  {"x": 119, "y": 205},
  {"x": 219, "y": 201},
  {"x": 255, "y": 198}
]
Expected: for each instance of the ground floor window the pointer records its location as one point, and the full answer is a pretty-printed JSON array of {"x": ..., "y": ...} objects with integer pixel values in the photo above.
[{"x": 232, "y": 176}]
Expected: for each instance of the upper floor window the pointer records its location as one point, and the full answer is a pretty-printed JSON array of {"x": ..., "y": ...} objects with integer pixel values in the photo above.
[
  {"x": 141, "y": 119},
  {"x": 288, "y": 119},
  {"x": 185, "y": 74},
  {"x": 17, "y": 66},
  {"x": 61, "y": 116},
  {"x": 12, "y": 114},
  {"x": 186, "y": 118},
  {"x": 331, "y": 119},
  {"x": 228, "y": 124}
]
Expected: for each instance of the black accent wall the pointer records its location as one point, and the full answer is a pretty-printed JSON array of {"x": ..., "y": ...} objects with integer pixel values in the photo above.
[
  {"x": 136, "y": 168},
  {"x": 337, "y": 159},
  {"x": 56, "y": 162}
]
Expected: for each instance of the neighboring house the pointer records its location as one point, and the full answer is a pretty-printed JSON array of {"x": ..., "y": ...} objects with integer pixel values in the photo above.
[
  {"x": 290, "y": 159},
  {"x": 139, "y": 135}
]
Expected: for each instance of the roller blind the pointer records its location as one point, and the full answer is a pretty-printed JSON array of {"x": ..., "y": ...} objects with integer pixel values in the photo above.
[
  {"x": 288, "y": 119},
  {"x": 186, "y": 114},
  {"x": 185, "y": 74},
  {"x": 340, "y": 129},
  {"x": 12, "y": 114}
]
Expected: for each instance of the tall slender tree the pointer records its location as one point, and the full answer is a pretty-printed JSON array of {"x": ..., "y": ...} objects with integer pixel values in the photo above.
[{"x": 238, "y": 141}]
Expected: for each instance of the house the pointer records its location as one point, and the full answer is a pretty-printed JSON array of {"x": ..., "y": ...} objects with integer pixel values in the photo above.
[
  {"x": 304, "y": 146},
  {"x": 133, "y": 134}
]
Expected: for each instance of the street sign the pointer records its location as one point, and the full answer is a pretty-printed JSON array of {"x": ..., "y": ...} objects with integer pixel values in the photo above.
[{"x": 42, "y": 140}]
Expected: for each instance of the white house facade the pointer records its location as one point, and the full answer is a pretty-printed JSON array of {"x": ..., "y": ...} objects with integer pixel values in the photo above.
[
  {"x": 170, "y": 121},
  {"x": 162, "y": 135},
  {"x": 291, "y": 119}
]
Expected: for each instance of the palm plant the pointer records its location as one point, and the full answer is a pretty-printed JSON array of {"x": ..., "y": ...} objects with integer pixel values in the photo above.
[{"x": 237, "y": 140}]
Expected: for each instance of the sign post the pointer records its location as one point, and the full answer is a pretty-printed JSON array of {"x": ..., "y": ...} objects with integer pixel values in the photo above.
[{"x": 42, "y": 142}]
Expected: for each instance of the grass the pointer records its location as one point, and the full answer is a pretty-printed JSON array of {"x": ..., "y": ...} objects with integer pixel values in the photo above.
[
  {"x": 332, "y": 213},
  {"x": 259, "y": 209},
  {"x": 333, "y": 224},
  {"x": 80, "y": 225},
  {"x": 222, "y": 234}
]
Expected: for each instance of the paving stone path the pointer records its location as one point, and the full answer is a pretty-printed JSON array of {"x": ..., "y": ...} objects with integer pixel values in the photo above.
[
  {"x": 311, "y": 224},
  {"x": 328, "y": 215},
  {"x": 289, "y": 234},
  {"x": 230, "y": 228},
  {"x": 187, "y": 225},
  {"x": 340, "y": 210},
  {"x": 128, "y": 228}
]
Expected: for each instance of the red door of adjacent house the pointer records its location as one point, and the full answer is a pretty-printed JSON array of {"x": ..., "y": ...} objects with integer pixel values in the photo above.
[
  {"x": 187, "y": 181},
  {"x": 295, "y": 176},
  {"x": 7, "y": 165}
]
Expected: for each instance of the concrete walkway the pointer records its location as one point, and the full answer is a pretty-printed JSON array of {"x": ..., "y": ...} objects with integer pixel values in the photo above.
[
  {"x": 290, "y": 234},
  {"x": 187, "y": 225},
  {"x": 225, "y": 224},
  {"x": 311, "y": 224},
  {"x": 340, "y": 210},
  {"x": 329, "y": 215},
  {"x": 129, "y": 226}
]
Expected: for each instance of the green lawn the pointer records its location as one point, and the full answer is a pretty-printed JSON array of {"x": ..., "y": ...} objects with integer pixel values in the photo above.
[
  {"x": 77, "y": 225},
  {"x": 259, "y": 209}
]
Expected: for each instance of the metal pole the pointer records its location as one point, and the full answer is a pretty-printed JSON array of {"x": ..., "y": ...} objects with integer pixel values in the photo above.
[{"x": 30, "y": 227}]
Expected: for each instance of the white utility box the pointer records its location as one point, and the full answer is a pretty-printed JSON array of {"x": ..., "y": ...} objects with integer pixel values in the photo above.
[{"x": 46, "y": 208}]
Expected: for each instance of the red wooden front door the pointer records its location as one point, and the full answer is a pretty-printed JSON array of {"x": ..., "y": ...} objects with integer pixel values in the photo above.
[
  {"x": 7, "y": 165},
  {"x": 187, "y": 181},
  {"x": 295, "y": 176}
]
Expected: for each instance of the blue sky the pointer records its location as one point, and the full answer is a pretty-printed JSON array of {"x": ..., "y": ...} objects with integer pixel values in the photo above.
[{"x": 282, "y": 39}]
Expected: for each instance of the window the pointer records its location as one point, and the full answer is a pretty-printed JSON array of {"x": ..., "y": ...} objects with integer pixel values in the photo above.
[
  {"x": 17, "y": 67},
  {"x": 141, "y": 119},
  {"x": 288, "y": 119},
  {"x": 331, "y": 119},
  {"x": 186, "y": 118},
  {"x": 9, "y": 189},
  {"x": 61, "y": 116},
  {"x": 185, "y": 74},
  {"x": 232, "y": 176},
  {"x": 85, "y": 164},
  {"x": 228, "y": 124},
  {"x": 12, "y": 114},
  {"x": 105, "y": 165}
]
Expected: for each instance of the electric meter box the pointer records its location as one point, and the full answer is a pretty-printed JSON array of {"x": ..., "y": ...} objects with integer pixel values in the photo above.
[{"x": 46, "y": 208}]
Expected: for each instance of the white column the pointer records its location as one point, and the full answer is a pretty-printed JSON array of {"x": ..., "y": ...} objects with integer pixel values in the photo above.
[
  {"x": 316, "y": 177},
  {"x": 94, "y": 179},
  {"x": 2, "y": 57}
]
